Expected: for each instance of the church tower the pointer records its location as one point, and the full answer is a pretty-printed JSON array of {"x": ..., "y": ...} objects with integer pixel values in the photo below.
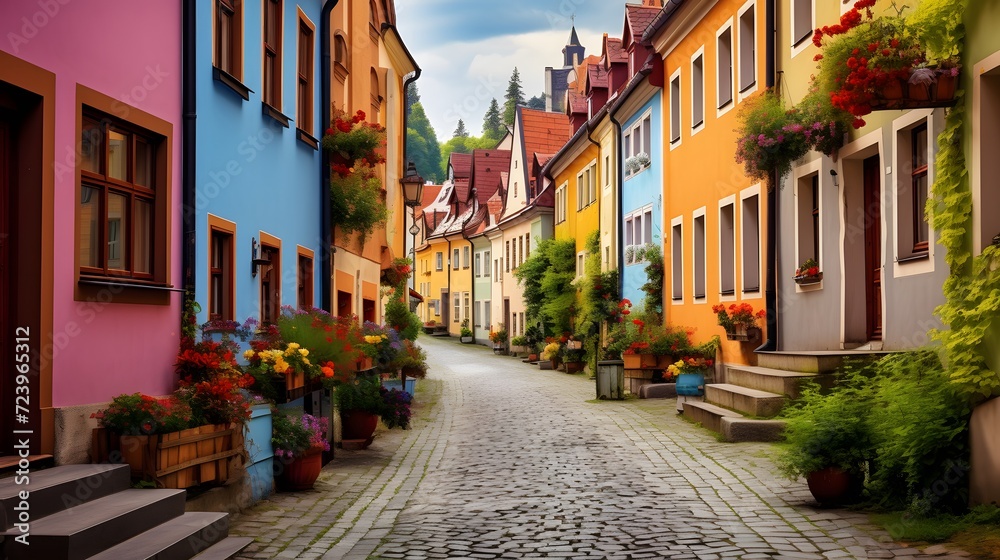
[{"x": 556, "y": 78}]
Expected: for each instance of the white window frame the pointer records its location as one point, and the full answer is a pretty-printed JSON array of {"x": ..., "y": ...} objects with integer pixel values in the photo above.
[
  {"x": 643, "y": 214},
  {"x": 745, "y": 194},
  {"x": 677, "y": 222},
  {"x": 486, "y": 259},
  {"x": 741, "y": 95},
  {"x": 581, "y": 179},
  {"x": 487, "y": 314},
  {"x": 901, "y": 159},
  {"x": 592, "y": 187},
  {"x": 581, "y": 264},
  {"x": 728, "y": 201},
  {"x": 478, "y": 315},
  {"x": 457, "y": 317},
  {"x": 696, "y": 128},
  {"x": 455, "y": 255},
  {"x": 796, "y": 49},
  {"x": 699, "y": 213},
  {"x": 560, "y": 211},
  {"x": 676, "y": 142},
  {"x": 607, "y": 172},
  {"x": 439, "y": 261},
  {"x": 719, "y": 111},
  {"x": 637, "y": 140},
  {"x": 478, "y": 265}
]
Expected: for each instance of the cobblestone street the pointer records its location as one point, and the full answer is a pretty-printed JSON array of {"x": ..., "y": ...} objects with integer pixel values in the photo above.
[{"x": 506, "y": 461}]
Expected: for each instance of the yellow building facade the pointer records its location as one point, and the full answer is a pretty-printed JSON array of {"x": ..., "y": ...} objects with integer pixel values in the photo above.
[{"x": 714, "y": 216}]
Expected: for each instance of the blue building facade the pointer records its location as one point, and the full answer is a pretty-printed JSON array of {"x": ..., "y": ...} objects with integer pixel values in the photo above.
[
  {"x": 257, "y": 185},
  {"x": 641, "y": 215}
]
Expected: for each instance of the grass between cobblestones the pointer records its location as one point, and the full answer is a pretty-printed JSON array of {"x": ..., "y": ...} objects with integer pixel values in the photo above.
[{"x": 977, "y": 532}]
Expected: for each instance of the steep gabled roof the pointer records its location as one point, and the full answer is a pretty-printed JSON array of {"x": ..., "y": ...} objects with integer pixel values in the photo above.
[
  {"x": 577, "y": 103},
  {"x": 486, "y": 169},
  {"x": 543, "y": 132},
  {"x": 637, "y": 19},
  {"x": 613, "y": 52},
  {"x": 597, "y": 77},
  {"x": 462, "y": 164}
]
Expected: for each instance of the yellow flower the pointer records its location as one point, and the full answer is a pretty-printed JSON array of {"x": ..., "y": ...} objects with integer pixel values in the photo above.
[
  {"x": 306, "y": 361},
  {"x": 304, "y": 351},
  {"x": 293, "y": 345},
  {"x": 373, "y": 339},
  {"x": 280, "y": 365},
  {"x": 248, "y": 354}
]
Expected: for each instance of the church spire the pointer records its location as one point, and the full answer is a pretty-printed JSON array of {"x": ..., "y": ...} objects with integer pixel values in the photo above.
[{"x": 574, "y": 41}]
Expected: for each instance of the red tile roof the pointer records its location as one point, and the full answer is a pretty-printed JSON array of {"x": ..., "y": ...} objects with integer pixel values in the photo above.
[
  {"x": 486, "y": 169},
  {"x": 462, "y": 163},
  {"x": 638, "y": 18},
  {"x": 544, "y": 132},
  {"x": 613, "y": 50},
  {"x": 495, "y": 202},
  {"x": 461, "y": 190},
  {"x": 597, "y": 76},
  {"x": 577, "y": 102}
]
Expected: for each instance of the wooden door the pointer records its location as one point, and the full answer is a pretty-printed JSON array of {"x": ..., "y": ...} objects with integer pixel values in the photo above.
[{"x": 873, "y": 247}]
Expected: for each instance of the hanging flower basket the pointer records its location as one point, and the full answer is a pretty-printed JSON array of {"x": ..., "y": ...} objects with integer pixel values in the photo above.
[
  {"x": 808, "y": 279},
  {"x": 922, "y": 88}
]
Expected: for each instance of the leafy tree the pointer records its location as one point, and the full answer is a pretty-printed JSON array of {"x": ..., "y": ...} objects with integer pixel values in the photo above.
[
  {"x": 600, "y": 299},
  {"x": 547, "y": 277},
  {"x": 412, "y": 97},
  {"x": 422, "y": 144},
  {"x": 513, "y": 98},
  {"x": 537, "y": 102},
  {"x": 460, "y": 131},
  {"x": 493, "y": 122},
  {"x": 462, "y": 145}
]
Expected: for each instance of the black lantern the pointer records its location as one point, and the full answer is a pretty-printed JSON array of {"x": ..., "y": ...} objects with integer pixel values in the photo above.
[{"x": 413, "y": 185}]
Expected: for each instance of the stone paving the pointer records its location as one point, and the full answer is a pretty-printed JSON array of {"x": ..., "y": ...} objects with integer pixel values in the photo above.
[{"x": 507, "y": 461}]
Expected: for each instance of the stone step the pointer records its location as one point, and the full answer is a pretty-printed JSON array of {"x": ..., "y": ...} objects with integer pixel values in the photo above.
[
  {"x": 708, "y": 415},
  {"x": 53, "y": 490},
  {"x": 805, "y": 362},
  {"x": 89, "y": 528},
  {"x": 225, "y": 549},
  {"x": 753, "y": 402},
  {"x": 180, "y": 538},
  {"x": 777, "y": 381},
  {"x": 748, "y": 429}
]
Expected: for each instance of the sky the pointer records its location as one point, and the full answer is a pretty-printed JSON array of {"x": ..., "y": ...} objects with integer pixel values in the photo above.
[{"x": 467, "y": 49}]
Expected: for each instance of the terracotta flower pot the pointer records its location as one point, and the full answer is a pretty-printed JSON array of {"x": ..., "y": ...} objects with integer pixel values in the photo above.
[
  {"x": 357, "y": 424},
  {"x": 632, "y": 361},
  {"x": 301, "y": 472},
  {"x": 574, "y": 367},
  {"x": 648, "y": 360},
  {"x": 893, "y": 89},
  {"x": 833, "y": 486}
]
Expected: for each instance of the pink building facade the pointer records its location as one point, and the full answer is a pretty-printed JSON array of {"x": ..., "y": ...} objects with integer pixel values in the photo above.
[{"x": 90, "y": 136}]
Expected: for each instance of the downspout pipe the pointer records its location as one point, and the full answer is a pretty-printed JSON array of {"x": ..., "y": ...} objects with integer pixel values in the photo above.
[
  {"x": 770, "y": 280},
  {"x": 326, "y": 226},
  {"x": 189, "y": 110},
  {"x": 619, "y": 226}
]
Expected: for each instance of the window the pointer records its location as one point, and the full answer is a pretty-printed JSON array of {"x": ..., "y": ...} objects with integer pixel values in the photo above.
[
  {"x": 478, "y": 270},
  {"x": 607, "y": 172},
  {"x": 270, "y": 281},
  {"x": 727, "y": 249},
  {"x": 675, "y": 108},
  {"x": 677, "y": 260},
  {"x": 272, "y": 53},
  {"x": 750, "y": 243},
  {"x": 305, "y": 279},
  {"x": 748, "y": 47},
  {"x": 454, "y": 260},
  {"x": 465, "y": 258},
  {"x": 724, "y": 66},
  {"x": 486, "y": 260},
  {"x": 507, "y": 257},
  {"x": 220, "y": 293},
  {"x": 458, "y": 308},
  {"x": 802, "y": 21},
  {"x": 229, "y": 37},
  {"x": 560, "y": 210},
  {"x": 496, "y": 270},
  {"x": 638, "y": 232},
  {"x": 123, "y": 209},
  {"x": 513, "y": 250},
  {"x": 465, "y": 305},
  {"x": 918, "y": 182},
  {"x": 698, "y": 90},
  {"x": 376, "y": 97},
  {"x": 304, "y": 100},
  {"x": 808, "y": 218},
  {"x": 340, "y": 53},
  {"x": 580, "y": 264},
  {"x": 478, "y": 314},
  {"x": 699, "y": 256},
  {"x": 486, "y": 314},
  {"x": 638, "y": 137},
  {"x": 438, "y": 261},
  {"x": 591, "y": 182},
  {"x": 581, "y": 191}
]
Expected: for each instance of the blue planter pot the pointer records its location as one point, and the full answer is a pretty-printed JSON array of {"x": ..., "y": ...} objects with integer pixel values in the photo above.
[
  {"x": 691, "y": 384},
  {"x": 394, "y": 384},
  {"x": 260, "y": 455}
]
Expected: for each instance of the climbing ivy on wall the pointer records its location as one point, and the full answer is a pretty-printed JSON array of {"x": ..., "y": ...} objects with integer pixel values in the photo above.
[{"x": 972, "y": 290}]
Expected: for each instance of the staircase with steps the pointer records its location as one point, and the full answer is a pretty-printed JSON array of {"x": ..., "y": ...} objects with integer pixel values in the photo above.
[
  {"x": 741, "y": 407},
  {"x": 78, "y": 512}
]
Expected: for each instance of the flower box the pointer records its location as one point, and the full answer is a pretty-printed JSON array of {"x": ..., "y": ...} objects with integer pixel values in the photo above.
[
  {"x": 182, "y": 459},
  {"x": 744, "y": 334},
  {"x": 906, "y": 93},
  {"x": 807, "y": 279},
  {"x": 291, "y": 387}
]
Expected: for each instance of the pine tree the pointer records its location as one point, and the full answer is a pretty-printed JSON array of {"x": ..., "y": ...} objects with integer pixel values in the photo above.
[
  {"x": 537, "y": 102},
  {"x": 513, "y": 98},
  {"x": 460, "y": 130},
  {"x": 421, "y": 144},
  {"x": 412, "y": 96},
  {"x": 493, "y": 123}
]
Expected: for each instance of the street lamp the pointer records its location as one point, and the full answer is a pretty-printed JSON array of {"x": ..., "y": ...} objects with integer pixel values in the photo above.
[{"x": 413, "y": 190}]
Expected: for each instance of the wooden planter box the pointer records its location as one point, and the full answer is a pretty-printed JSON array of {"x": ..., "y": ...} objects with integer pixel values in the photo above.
[
  {"x": 293, "y": 387},
  {"x": 807, "y": 280},
  {"x": 901, "y": 95},
  {"x": 752, "y": 334},
  {"x": 181, "y": 459}
]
